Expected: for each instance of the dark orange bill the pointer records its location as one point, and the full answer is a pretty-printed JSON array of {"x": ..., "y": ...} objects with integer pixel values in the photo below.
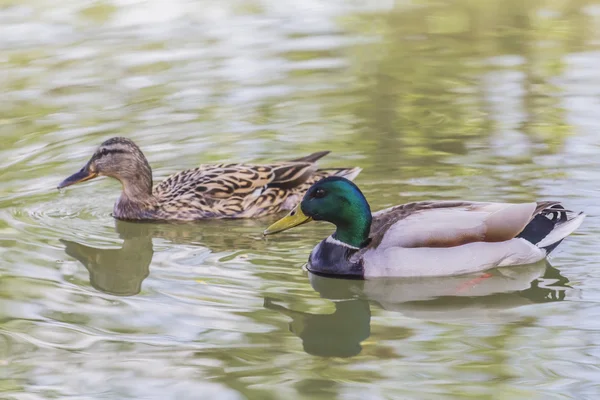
[{"x": 81, "y": 176}]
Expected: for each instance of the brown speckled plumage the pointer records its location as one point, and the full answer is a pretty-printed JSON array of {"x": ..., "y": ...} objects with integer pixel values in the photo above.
[{"x": 209, "y": 191}]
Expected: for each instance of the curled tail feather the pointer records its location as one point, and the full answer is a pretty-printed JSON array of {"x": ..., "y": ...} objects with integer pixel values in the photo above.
[
  {"x": 296, "y": 197},
  {"x": 550, "y": 224},
  {"x": 312, "y": 157},
  {"x": 348, "y": 173}
]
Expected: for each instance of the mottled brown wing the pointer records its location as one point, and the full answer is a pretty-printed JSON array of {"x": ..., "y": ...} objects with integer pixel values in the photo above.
[
  {"x": 291, "y": 175},
  {"x": 448, "y": 224},
  {"x": 282, "y": 192},
  {"x": 226, "y": 180},
  {"x": 232, "y": 190},
  {"x": 241, "y": 190}
]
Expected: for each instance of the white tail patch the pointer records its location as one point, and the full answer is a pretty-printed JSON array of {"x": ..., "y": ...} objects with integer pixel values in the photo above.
[{"x": 561, "y": 231}]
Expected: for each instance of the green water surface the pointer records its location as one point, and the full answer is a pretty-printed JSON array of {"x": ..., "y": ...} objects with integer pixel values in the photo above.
[{"x": 482, "y": 100}]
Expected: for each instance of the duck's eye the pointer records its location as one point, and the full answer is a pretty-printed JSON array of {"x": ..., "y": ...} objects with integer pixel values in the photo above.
[{"x": 319, "y": 193}]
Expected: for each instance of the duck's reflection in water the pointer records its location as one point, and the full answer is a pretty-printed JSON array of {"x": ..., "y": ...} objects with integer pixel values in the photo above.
[
  {"x": 121, "y": 271},
  {"x": 454, "y": 299},
  {"x": 330, "y": 335}
]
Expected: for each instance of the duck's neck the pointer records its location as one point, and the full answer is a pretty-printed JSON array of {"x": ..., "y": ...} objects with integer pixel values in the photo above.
[
  {"x": 353, "y": 236},
  {"x": 353, "y": 228},
  {"x": 138, "y": 188},
  {"x": 136, "y": 200}
]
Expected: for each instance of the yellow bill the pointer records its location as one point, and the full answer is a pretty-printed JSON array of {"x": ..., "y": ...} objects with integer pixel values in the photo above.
[{"x": 294, "y": 218}]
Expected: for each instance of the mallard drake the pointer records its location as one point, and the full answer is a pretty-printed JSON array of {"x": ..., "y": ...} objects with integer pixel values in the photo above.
[
  {"x": 209, "y": 191},
  {"x": 428, "y": 238}
]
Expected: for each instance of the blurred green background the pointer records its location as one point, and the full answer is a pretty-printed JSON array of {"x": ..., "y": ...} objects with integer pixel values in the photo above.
[{"x": 480, "y": 100}]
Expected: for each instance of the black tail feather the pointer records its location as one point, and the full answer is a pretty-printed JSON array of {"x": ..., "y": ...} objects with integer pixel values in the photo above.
[{"x": 542, "y": 224}]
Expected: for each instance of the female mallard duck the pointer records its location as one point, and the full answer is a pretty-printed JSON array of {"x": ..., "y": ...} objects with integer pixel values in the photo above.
[
  {"x": 429, "y": 238},
  {"x": 209, "y": 191}
]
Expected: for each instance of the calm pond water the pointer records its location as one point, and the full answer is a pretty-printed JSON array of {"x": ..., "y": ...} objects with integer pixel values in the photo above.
[{"x": 481, "y": 100}]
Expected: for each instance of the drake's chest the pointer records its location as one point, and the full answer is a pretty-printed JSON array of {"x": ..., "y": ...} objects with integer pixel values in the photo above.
[{"x": 334, "y": 259}]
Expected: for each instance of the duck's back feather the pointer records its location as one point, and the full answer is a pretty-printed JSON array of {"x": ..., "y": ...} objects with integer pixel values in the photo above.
[
  {"x": 451, "y": 238},
  {"x": 448, "y": 223},
  {"x": 240, "y": 190}
]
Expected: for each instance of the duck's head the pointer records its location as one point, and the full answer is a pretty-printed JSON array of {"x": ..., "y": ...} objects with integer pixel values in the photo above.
[
  {"x": 119, "y": 158},
  {"x": 336, "y": 200}
]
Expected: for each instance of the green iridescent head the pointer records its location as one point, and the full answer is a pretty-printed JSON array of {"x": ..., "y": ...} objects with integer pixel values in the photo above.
[{"x": 336, "y": 200}]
